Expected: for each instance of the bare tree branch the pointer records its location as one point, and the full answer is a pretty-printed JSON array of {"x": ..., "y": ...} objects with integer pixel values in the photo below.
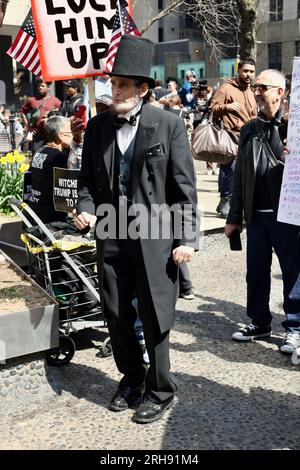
[
  {"x": 173, "y": 5},
  {"x": 215, "y": 19},
  {"x": 223, "y": 23}
]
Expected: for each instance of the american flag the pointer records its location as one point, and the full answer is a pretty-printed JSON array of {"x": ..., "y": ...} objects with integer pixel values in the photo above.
[
  {"x": 24, "y": 48},
  {"x": 123, "y": 24}
]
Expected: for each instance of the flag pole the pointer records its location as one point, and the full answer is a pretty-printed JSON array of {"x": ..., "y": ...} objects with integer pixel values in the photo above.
[{"x": 91, "y": 89}]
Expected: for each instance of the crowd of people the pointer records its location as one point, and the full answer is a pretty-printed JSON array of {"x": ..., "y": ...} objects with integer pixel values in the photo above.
[{"x": 137, "y": 152}]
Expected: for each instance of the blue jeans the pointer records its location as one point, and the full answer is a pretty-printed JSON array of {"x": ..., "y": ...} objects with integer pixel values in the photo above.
[
  {"x": 226, "y": 179},
  {"x": 263, "y": 234},
  {"x": 185, "y": 282}
]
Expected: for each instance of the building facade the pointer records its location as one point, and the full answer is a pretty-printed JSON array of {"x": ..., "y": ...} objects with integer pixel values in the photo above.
[{"x": 278, "y": 38}]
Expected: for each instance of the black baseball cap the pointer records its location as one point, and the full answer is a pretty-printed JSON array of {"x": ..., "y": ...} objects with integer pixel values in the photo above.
[{"x": 73, "y": 83}]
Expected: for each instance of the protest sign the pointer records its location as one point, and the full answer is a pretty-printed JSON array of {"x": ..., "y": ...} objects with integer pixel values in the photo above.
[
  {"x": 65, "y": 189},
  {"x": 73, "y": 36},
  {"x": 289, "y": 203}
]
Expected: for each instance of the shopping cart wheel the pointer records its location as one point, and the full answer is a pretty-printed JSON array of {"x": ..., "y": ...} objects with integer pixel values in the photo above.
[
  {"x": 63, "y": 354},
  {"x": 106, "y": 349}
]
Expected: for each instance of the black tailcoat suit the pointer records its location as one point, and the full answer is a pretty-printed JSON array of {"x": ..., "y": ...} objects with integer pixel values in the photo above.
[{"x": 162, "y": 172}]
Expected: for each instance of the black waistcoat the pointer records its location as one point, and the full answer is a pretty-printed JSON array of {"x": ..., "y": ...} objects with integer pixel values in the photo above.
[{"x": 122, "y": 172}]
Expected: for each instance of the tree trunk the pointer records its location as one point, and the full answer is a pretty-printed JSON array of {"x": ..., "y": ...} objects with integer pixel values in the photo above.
[{"x": 248, "y": 27}]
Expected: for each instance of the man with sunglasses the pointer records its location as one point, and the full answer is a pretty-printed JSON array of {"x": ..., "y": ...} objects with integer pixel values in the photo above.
[
  {"x": 3, "y": 5},
  {"x": 256, "y": 192},
  {"x": 234, "y": 104}
]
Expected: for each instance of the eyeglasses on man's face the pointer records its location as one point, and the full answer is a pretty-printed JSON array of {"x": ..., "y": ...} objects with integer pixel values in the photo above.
[{"x": 262, "y": 87}]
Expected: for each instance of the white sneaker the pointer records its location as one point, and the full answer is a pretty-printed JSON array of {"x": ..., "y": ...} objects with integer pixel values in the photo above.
[
  {"x": 210, "y": 172},
  {"x": 291, "y": 343},
  {"x": 187, "y": 294}
]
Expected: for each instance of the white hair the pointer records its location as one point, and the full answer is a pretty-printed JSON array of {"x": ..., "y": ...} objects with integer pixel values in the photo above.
[
  {"x": 278, "y": 77},
  {"x": 53, "y": 126}
]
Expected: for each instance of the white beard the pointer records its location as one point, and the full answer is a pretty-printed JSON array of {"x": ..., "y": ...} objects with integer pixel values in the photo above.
[{"x": 123, "y": 108}]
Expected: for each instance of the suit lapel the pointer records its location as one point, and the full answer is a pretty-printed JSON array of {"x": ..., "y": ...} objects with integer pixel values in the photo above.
[
  {"x": 108, "y": 147},
  {"x": 146, "y": 130}
]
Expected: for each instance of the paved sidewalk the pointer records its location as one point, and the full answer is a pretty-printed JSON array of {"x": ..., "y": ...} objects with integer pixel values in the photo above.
[{"x": 230, "y": 395}]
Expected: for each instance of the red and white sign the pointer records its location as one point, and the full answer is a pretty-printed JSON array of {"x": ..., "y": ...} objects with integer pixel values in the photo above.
[{"x": 73, "y": 36}]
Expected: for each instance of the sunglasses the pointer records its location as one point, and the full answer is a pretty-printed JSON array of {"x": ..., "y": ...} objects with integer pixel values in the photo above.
[{"x": 262, "y": 87}]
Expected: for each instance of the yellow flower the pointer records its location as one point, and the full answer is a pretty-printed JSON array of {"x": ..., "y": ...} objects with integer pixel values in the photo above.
[
  {"x": 19, "y": 157},
  {"x": 3, "y": 160},
  {"x": 23, "y": 167},
  {"x": 10, "y": 158}
]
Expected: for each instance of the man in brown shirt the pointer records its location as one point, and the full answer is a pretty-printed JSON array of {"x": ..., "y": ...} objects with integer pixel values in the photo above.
[{"x": 234, "y": 103}]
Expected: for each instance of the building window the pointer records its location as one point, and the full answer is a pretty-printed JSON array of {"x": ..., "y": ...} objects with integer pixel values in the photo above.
[
  {"x": 275, "y": 56},
  {"x": 297, "y": 48},
  {"x": 276, "y": 10},
  {"x": 298, "y": 9},
  {"x": 200, "y": 73},
  {"x": 160, "y": 34},
  {"x": 160, "y": 4}
]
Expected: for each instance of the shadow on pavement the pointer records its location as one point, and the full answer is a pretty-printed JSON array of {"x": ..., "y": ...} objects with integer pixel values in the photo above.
[
  {"x": 212, "y": 327},
  {"x": 209, "y": 415}
]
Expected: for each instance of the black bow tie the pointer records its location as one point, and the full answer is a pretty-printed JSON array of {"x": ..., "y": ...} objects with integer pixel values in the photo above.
[{"x": 120, "y": 121}]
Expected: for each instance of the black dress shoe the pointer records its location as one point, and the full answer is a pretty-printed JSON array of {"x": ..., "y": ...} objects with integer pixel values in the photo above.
[
  {"x": 150, "y": 411},
  {"x": 126, "y": 397}
]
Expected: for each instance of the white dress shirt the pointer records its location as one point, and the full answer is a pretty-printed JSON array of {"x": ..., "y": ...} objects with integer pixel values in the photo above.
[{"x": 126, "y": 134}]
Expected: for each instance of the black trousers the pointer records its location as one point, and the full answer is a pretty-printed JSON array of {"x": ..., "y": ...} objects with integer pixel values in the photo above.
[
  {"x": 124, "y": 279},
  {"x": 263, "y": 234},
  {"x": 185, "y": 282}
]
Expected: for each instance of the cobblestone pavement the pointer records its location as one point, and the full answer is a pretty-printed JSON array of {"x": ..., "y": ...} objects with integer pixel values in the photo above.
[{"x": 230, "y": 395}]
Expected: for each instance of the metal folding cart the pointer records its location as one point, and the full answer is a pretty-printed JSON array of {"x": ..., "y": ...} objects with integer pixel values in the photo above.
[{"x": 67, "y": 270}]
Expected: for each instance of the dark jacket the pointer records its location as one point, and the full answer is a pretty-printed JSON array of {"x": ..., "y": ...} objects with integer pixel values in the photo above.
[
  {"x": 41, "y": 198},
  {"x": 250, "y": 150},
  {"x": 68, "y": 106},
  {"x": 163, "y": 174}
]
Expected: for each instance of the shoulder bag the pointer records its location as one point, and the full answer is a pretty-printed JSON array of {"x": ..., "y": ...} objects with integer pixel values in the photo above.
[{"x": 213, "y": 144}]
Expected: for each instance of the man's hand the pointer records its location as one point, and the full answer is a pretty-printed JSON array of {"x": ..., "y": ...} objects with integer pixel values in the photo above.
[
  {"x": 285, "y": 153},
  {"x": 83, "y": 220},
  {"x": 77, "y": 127},
  {"x": 28, "y": 127},
  {"x": 234, "y": 107},
  {"x": 285, "y": 109},
  {"x": 229, "y": 228},
  {"x": 183, "y": 254}
]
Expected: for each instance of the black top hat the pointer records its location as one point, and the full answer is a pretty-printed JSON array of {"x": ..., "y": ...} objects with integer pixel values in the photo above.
[{"x": 134, "y": 59}]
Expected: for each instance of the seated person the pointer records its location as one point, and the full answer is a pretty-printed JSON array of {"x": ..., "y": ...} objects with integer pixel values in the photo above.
[{"x": 58, "y": 131}]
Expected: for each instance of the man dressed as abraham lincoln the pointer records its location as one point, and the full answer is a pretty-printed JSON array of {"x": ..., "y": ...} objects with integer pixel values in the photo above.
[{"x": 136, "y": 155}]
